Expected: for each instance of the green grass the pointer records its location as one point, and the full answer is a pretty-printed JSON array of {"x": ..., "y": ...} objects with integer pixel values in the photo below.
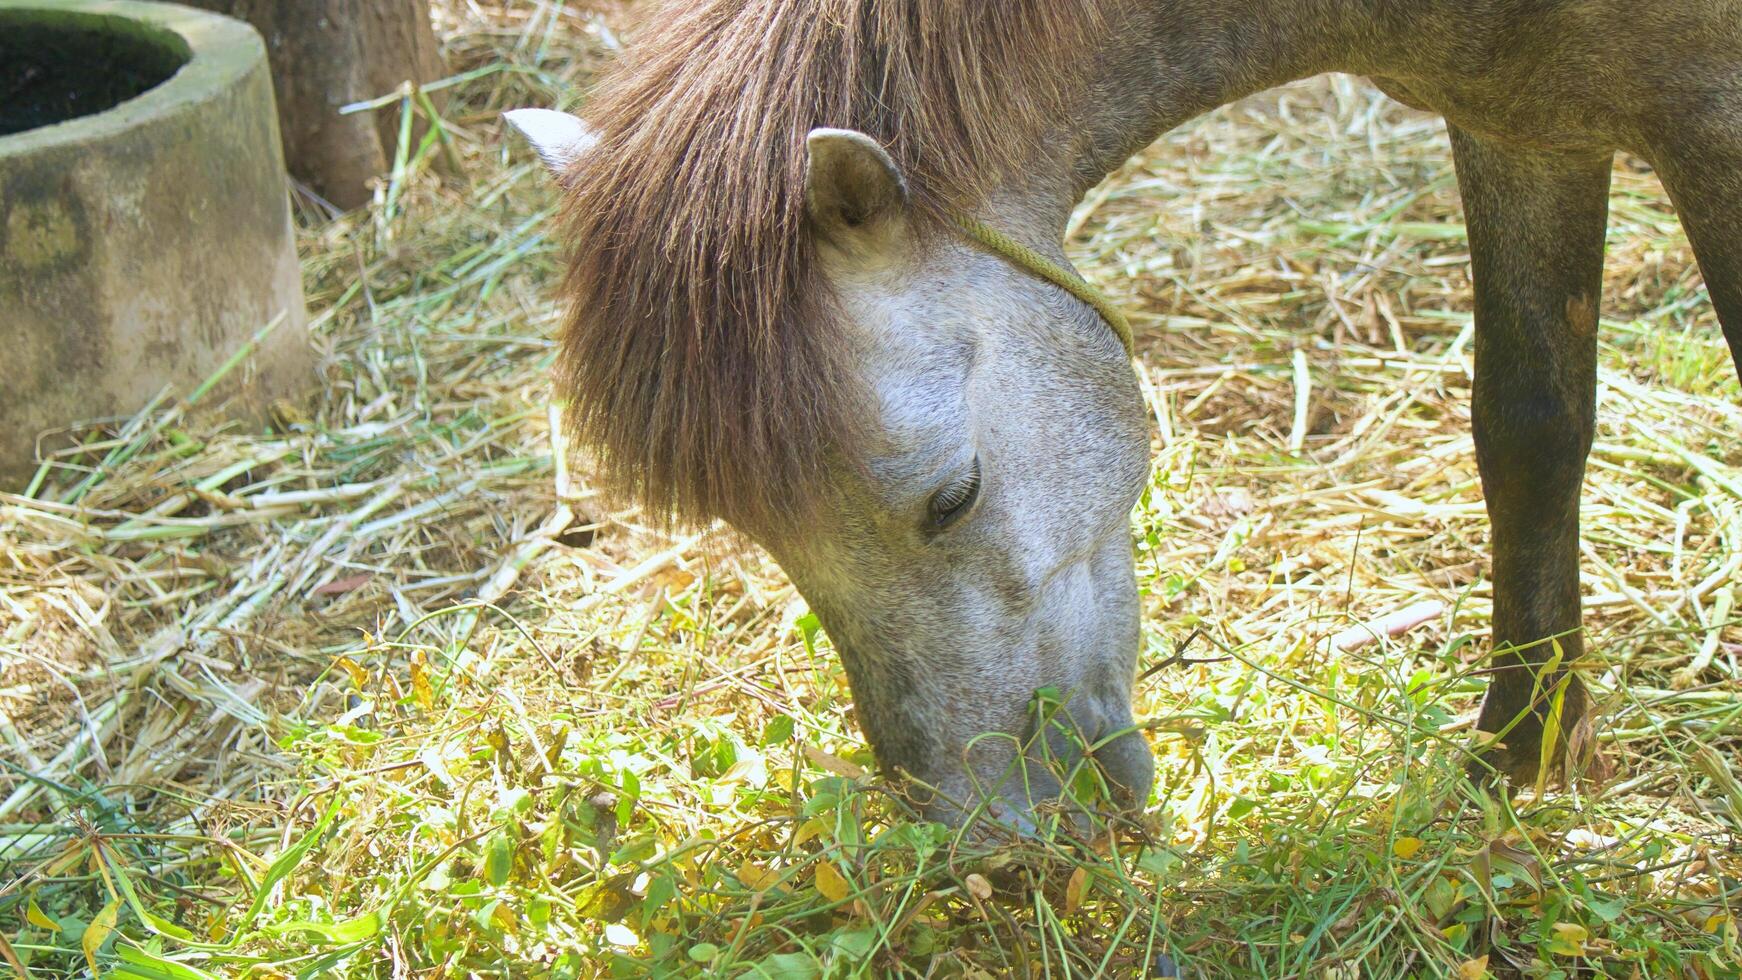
[{"x": 385, "y": 689}]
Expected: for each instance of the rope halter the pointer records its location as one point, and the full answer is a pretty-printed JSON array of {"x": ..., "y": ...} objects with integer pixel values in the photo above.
[{"x": 1041, "y": 267}]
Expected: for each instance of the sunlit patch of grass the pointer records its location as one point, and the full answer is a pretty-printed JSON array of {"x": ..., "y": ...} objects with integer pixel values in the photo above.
[{"x": 388, "y": 690}]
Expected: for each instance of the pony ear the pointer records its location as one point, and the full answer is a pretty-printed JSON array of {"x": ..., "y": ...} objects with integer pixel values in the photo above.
[
  {"x": 854, "y": 192},
  {"x": 557, "y": 137}
]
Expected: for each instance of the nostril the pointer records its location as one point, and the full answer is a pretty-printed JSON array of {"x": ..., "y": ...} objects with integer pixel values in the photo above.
[
  {"x": 1128, "y": 764},
  {"x": 1112, "y": 744}
]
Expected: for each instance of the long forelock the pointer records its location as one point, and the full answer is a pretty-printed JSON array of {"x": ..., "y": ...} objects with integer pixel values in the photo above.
[{"x": 700, "y": 362}]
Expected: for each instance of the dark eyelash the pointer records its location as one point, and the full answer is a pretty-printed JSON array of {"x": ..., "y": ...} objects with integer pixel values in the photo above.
[
  {"x": 953, "y": 500},
  {"x": 955, "y": 495}
]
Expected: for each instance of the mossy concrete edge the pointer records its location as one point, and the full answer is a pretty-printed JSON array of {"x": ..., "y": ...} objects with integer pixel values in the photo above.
[{"x": 142, "y": 246}]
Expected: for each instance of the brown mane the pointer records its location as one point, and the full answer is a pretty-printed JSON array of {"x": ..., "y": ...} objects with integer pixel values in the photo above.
[{"x": 698, "y": 361}]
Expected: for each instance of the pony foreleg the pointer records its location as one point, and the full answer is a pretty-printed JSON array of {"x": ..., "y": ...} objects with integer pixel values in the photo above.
[{"x": 1536, "y": 226}]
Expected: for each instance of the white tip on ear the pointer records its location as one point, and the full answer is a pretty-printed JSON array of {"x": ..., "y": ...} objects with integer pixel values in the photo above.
[
  {"x": 851, "y": 184},
  {"x": 557, "y": 137},
  {"x": 830, "y": 149},
  {"x": 824, "y": 137}
]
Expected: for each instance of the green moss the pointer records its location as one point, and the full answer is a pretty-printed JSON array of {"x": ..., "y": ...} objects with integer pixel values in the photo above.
[{"x": 40, "y": 234}]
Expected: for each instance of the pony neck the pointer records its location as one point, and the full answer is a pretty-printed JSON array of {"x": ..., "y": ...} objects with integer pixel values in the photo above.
[{"x": 1167, "y": 61}]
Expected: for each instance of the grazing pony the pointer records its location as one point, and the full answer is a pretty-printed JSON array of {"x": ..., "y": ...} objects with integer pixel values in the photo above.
[{"x": 818, "y": 291}]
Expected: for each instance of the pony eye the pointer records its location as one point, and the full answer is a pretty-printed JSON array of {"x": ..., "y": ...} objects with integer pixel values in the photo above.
[{"x": 950, "y": 504}]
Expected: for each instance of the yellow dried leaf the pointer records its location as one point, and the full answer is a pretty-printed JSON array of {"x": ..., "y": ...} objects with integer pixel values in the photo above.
[
  {"x": 421, "y": 689},
  {"x": 1405, "y": 847},
  {"x": 978, "y": 886},
  {"x": 831, "y": 884},
  {"x": 76, "y": 851},
  {"x": 830, "y": 762},
  {"x": 1571, "y": 931},
  {"x": 96, "y": 932},
  {"x": 756, "y": 876},
  {"x": 287, "y": 414},
  {"x": 359, "y": 676},
  {"x": 10, "y": 955},
  {"x": 34, "y": 915},
  {"x": 810, "y": 830},
  {"x": 750, "y": 769},
  {"x": 675, "y": 580},
  {"x": 1075, "y": 889},
  {"x": 1569, "y": 939},
  {"x": 1474, "y": 969}
]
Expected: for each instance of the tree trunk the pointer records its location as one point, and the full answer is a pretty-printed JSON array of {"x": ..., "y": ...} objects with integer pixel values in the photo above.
[{"x": 326, "y": 54}]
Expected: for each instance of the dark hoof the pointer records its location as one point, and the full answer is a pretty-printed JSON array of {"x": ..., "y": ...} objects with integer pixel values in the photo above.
[
  {"x": 1519, "y": 755},
  {"x": 1506, "y": 764},
  {"x": 1163, "y": 966}
]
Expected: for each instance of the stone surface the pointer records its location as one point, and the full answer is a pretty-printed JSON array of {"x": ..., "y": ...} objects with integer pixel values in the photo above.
[{"x": 144, "y": 245}]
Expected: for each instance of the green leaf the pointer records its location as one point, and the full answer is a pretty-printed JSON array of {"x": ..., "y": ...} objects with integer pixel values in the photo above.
[
  {"x": 155, "y": 923},
  {"x": 165, "y": 926},
  {"x": 778, "y": 730},
  {"x": 516, "y": 799},
  {"x": 660, "y": 890},
  {"x": 1087, "y": 785},
  {"x": 808, "y": 626},
  {"x": 630, "y": 792},
  {"x": 146, "y": 965},
  {"x": 1440, "y": 896},
  {"x": 352, "y": 930},
  {"x": 485, "y": 918},
  {"x": 787, "y": 966},
  {"x": 1157, "y": 861},
  {"x": 854, "y": 944},
  {"x": 498, "y": 859},
  {"x": 704, "y": 952},
  {"x": 1606, "y": 909}
]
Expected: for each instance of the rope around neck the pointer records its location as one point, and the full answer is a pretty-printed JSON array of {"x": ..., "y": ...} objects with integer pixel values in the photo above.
[{"x": 1041, "y": 267}]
